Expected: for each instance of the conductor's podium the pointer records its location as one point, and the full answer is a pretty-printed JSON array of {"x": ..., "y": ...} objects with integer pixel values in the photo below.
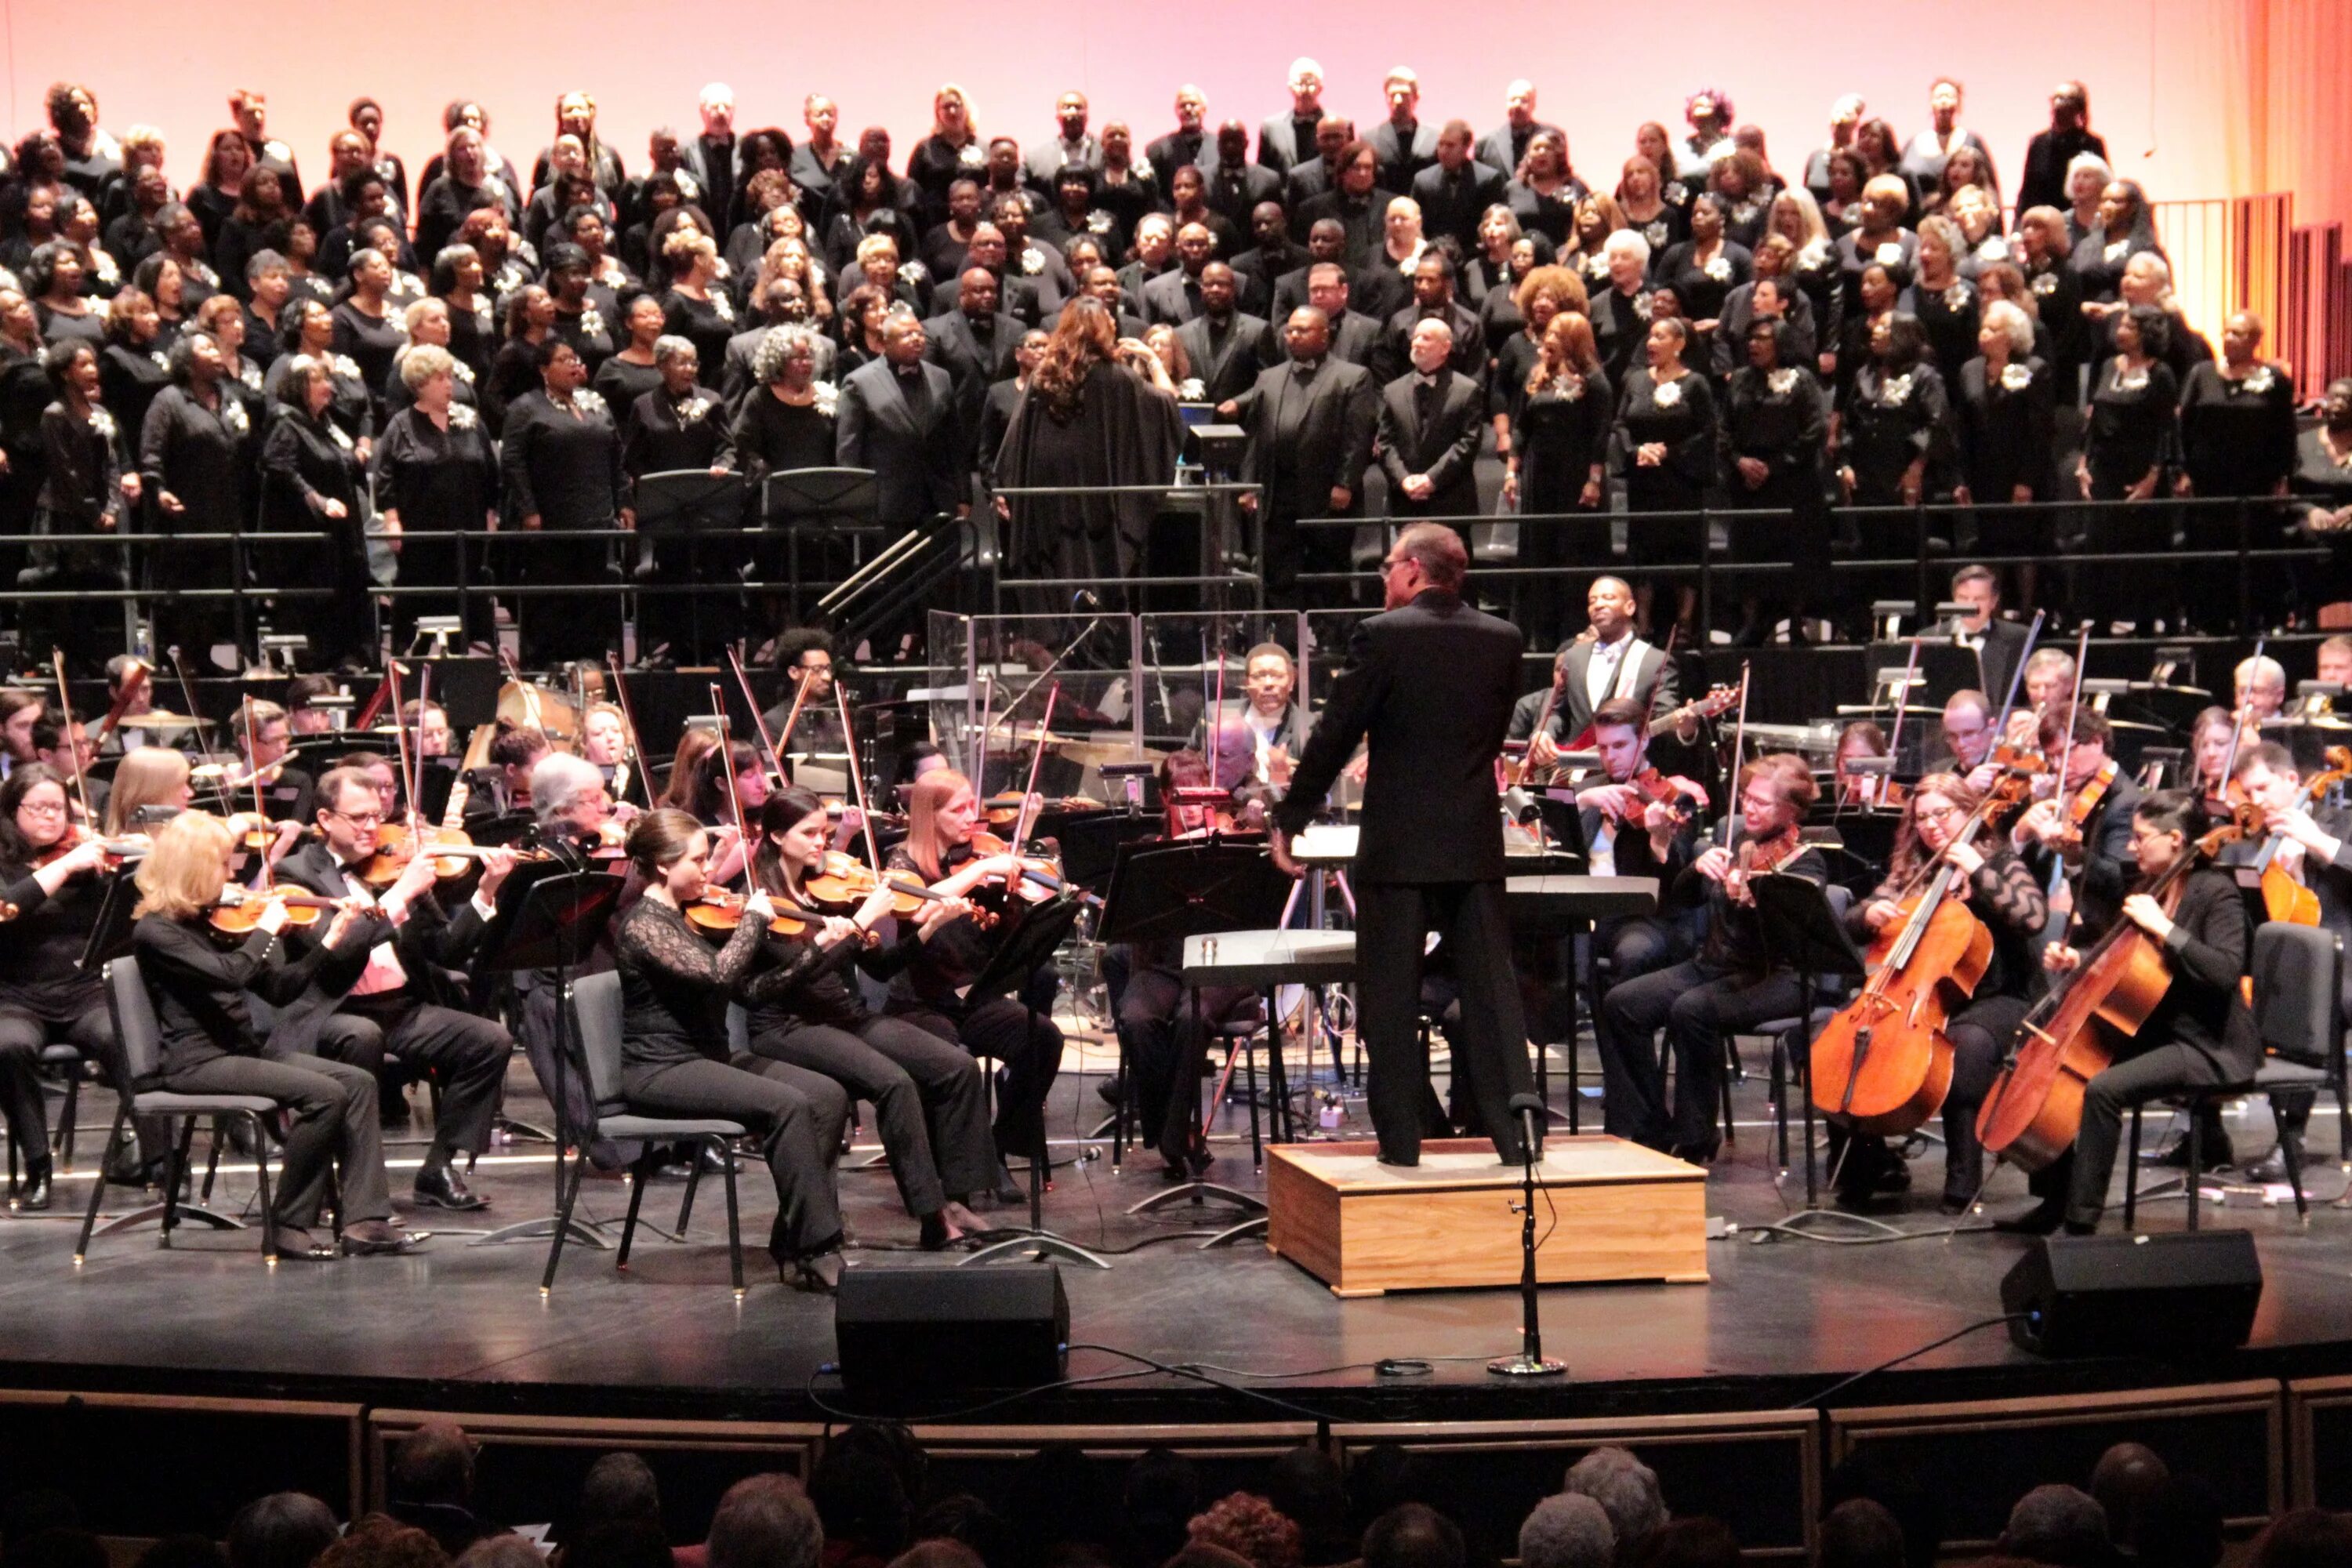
[{"x": 1625, "y": 1213}]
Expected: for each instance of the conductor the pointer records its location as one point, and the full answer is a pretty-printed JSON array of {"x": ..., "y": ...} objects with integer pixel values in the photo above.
[{"x": 1429, "y": 684}]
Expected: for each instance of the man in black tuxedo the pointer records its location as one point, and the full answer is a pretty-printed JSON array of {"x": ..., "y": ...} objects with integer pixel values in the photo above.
[
  {"x": 1155, "y": 253},
  {"x": 1614, "y": 662},
  {"x": 1310, "y": 424},
  {"x": 1456, "y": 190},
  {"x": 1429, "y": 686},
  {"x": 1101, "y": 285},
  {"x": 1273, "y": 255},
  {"x": 1356, "y": 338},
  {"x": 710, "y": 157},
  {"x": 1333, "y": 135},
  {"x": 1232, "y": 186},
  {"x": 1431, "y": 419},
  {"x": 1174, "y": 297},
  {"x": 1183, "y": 144},
  {"x": 392, "y": 1003},
  {"x": 1503, "y": 146},
  {"x": 1286, "y": 141},
  {"x": 1356, "y": 201},
  {"x": 1433, "y": 300},
  {"x": 1074, "y": 145},
  {"x": 1403, "y": 145},
  {"x": 973, "y": 344},
  {"x": 1228, "y": 348},
  {"x": 1325, "y": 241},
  {"x": 2000, "y": 644},
  {"x": 897, "y": 417}
]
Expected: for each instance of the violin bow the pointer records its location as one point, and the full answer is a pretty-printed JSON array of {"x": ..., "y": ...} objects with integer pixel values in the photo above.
[
  {"x": 726, "y": 753},
  {"x": 1023, "y": 820},
  {"x": 2016, "y": 680},
  {"x": 1216, "y": 711},
  {"x": 1902, "y": 710},
  {"x": 628, "y": 727},
  {"x": 856, "y": 773},
  {"x": 188, "y": 699},
  {"x": 73, "y": 747},
  {"x": 759, "y": 721},
  {"x": 2238, "y": 725},
  {"x": 400, "y": 747},
  {"x": 1739, "y": 751},
  {"x": 2073, "y": 701},
  {"x": 139, "y": 677},
  {"x": 261, "y": 866}
]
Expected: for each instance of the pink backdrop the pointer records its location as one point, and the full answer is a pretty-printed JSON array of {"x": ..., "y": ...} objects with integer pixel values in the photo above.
[{"x": 2170, "y": 75}]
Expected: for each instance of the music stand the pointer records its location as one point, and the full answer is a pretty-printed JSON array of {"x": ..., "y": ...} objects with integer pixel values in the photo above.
[
  {"x": 1028, "y": 940},
  {"x": 1569, "y": 906},
  {"x": 560, "y": 917},
  {"x": 109, "y": 934},
  {"x": 1802, "y": 931},
  {"x": 1163, "y": 892},
  {"x": 688, "y": 500}
]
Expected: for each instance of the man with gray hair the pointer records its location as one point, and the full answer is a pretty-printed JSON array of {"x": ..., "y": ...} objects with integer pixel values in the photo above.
[
  {"x": 1567, "y": 1530},
  {"x": 1626, "y": 1490},
  {"x": 1430, "y": 421},
  {"x": 2059, "y": 1525},
  {"x": 765, "y": 1521}
]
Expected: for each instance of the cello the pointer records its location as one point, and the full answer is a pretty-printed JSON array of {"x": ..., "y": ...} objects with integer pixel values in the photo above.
[
  {"x": 2036, "y": 1104},
  {"x": 1883, "y": 1064}
]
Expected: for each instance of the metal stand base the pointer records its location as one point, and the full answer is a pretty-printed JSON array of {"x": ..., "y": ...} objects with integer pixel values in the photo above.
[
  {"x": 1226, "y": 1237},
  {"x": 587, "y": 1232},
  {"x": 1525, "y": 1366},
  {"x": 1200, "y": 1192},
  {"x": 155, "y": 1211},
  {"x": 1037, "y": 1245}
]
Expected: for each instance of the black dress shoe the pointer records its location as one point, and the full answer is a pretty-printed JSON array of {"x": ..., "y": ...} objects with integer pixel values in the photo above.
[
  {"x": 2270, "y": 1168},
  {"x": 819, "y": 1274},
  {"x": 35, "y": 1195},
  {"x": 2174, "y": 1155},
  {"x": 2041, "y": 1219},
  {"x": 441, "y": 1187}
]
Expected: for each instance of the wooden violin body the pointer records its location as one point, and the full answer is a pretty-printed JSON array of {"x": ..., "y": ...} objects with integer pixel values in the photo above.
[
  {"x": 1884, "y": 1063},
  {"x": 718, "y": 913}
]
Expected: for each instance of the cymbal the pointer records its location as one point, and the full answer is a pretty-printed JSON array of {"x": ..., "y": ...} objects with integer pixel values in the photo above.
[
  {"x": 160, "y": 719},
  {"x": 1095, "y": 753}
]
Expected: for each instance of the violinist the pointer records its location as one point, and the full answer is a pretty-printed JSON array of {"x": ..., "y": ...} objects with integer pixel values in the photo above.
[
  {"x": 1546, "y": 707},
  {"x": 931, "y": 1104},
  {"x": 2213, "y": 735},
  {"x": 694, "y": 743},
  {"x": 2308, "y": 848},
  {"x": 391, "y": 1007},
  {"x": 943, "y": 816},
  {"x": 2086, "y": 824},
  {"x": 147, "y": 777},
  {"x": 2261, "y": 689},
  {"x": 712, "y": 800},
  {"x": 1729, "y": 986},
  {"x": 265, "y": 738},
  {"x": 2001, "y": 894},
  {"x": 71, "y": 760},
  {"x": 674, "y": 1052},
  {"x": 502, "y": 786},
  {"x": 1968, "y": 736},
  {"x": 55, "y": 874},
  {"x": 2199, "y": 1035},
  {"x": 210, "y": 1046}
]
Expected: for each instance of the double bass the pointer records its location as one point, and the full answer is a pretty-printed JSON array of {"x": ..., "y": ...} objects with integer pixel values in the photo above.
[{"x": 1884, "y": 1064}]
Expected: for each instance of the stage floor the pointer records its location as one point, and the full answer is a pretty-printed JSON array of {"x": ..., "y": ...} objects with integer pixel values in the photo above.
[{"x": 1781, "y": 1322}]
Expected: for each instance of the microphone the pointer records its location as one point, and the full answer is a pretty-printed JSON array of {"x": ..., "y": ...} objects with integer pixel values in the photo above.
[{"x": 1084, "y": 599}]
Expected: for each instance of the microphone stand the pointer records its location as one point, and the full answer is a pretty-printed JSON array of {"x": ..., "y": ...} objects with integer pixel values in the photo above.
[{"x": 1531, "y": 1361}]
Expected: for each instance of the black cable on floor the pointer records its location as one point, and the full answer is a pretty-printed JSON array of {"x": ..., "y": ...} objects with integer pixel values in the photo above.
[{"x": 1845, "y": 1384}]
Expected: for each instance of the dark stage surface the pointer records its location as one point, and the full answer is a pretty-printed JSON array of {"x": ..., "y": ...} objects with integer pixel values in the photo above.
[{"x": 464, "y": 1327}]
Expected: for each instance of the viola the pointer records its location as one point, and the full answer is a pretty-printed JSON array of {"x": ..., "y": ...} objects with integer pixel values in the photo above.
[
  {"x": 1656, "y": 789},
  {"x": 2036, "y": 1104}
]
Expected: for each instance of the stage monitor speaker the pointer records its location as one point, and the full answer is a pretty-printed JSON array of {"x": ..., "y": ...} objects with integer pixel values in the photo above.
[
  {"x": 2183, "y": 1292},
  {"x": 939, "y": 1330}
]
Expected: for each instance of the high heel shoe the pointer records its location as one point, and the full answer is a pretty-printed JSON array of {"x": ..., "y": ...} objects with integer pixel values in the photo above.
[{"x": 819, "y": 1274}]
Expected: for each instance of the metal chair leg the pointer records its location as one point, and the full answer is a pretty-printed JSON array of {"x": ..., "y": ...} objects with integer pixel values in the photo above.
[
  {"x": 2131, "y": 1173},
  {"x": 175, "y": 1176},
  {"x": 98, "y": 1188},
  {"x": 2196, "y": 1159},
  {"x": 261, "y": 1184},
  {"x": 637, "y": 1172},
  {"x": 564, "y": 1220},
  {"x": 734, "y": 1224}
]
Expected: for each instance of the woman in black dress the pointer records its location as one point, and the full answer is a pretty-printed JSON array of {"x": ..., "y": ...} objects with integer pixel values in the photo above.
[
  {"x": 679, "y": 427},
  {"x": 2130, "y": 435},
  {"x": 465, "y": 186},
  {"x": 47, "y": 998},
  {"x": 1705, "y": 268},
  {"x": 310, "y": 329},
  {"x": 1895, "y": 436},
  {"x": 1775, "y": 419},
  {"x": 261, "y": 203},
  {"x": 87, "y": 494},
  {"x": 2125, "y": 228},
  {"x": 675, "y": 1060},
  {"x": 211, "y": 1047},
  {"x": 786, "y": 422},
  {"x": 1663, "y": 449},
  {"x": 459, "y": 283},
  {"x": 2237, "y": 440},
  {"x": 930, "y": 1103},
  {"x": 436, "y": 480},
  {"x": 2006, "y": 400},
  {"x": 514, "y": 370},
  {"x": 633, "y": 372},
  {"x": 268, "y": 288},
  {"x": 2323, "y": 478},
  {"x": 369, "y": 330},
  {"x": 1945, "y": 301},
  {"x": 227, "y": 158},
  {"x": 428, "y": 326},
  {"x": 507, "y": 262},
  {"x": 136, "y": 365},
  {"x": 1646, "y": 211},
  {"x": 1543, "y": 189},
  {"x": 1538, "y": 295},
  {"x": 195, "y": 457},
  {"x": 315, "y": 482},
  {"x": 694, "y": 307},
  {"x": 580, "y": 318},
  {"x": 953, "y": 152},
  {"x": 1556, "y": 464},
  {"x": 52, "y": 277},
  {"x": 561, "y": 459}
]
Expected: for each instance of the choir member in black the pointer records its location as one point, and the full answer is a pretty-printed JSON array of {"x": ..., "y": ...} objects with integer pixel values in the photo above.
[
  {"x": 53, "y": 277},
  {"x": 2123, "y": 230},
  {"x": 55, "y": 873},
  {"x": 674, "y": 1055},
  {"x": 1662, "y": 448},
  {"x": 309, "y": 332},
  {"x": 24, "y": 394},
  {"x": 1227, "y": 347},
  {"x": 786, "y": 421},
  {"x": 391, "y": 1003},
  {"x": 315, "y": 482},
  {"x": 1311, "y": 423},
  {"x": 1429, "y": 424},
  {"x": 86, "y": 494},
  {"x": 579, "y": 319},
  {"x": 458, "y": 281},
  {"x": 2200, "y": 1033},
  {"x": 1088, "y": 419},
  {"x": 466, "y": 185},
  {"x": 261, "y": 201},
  {"x": 196, "y": 450},
  {"x": 1641, "y": 203},
  {"x": 929, "y": 1099},
  {"x": 1703, "y": 269},
  {"x": 952, "y": 151},
  {"x": 436, "y": 468},
  {"x": 2005, "y": 401},
  {"x": 130, "y": 234},
  {"x": 2322, "y": 474},
  {"x": 1556, "y": 465},
  {"x": 1729, "y": 987},
  {"x": 2000, "y": 892},
  {"x": 633, "y": 372},
  {"x": 1945, "y": 301},
  {"x": 268, "y": 287},
  {"x": 2237, "y": 438},
  {"x": 1355, "y": 202},
  {"x": 427, "y": 321},
  {"x": 560, "y": 456},
  {"x": 369, "y": 330},
  {"x": 2130, "y": 435},
  {"x": 1775, "y": 421},
  {"x": 867, "y": 197},
  {"x": 210, "y": 1045},
  {"x": 1539, "y": 294},
  {"x": 1620, "y": 311},
  {"x": 1017, "y": 1030},
  {"x": 1490, "y": 269},
  {"x": 210, "y": 201},
  {"x": 696, "y": 306},
  {"x": 678, "y": 425},
  {"x": 1771, "y": 295},
  {"x": 1456, "y": 191}
]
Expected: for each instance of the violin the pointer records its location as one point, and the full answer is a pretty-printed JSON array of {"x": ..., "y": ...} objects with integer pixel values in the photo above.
[
  {"x": 453, "y": 852},
  {"x": 718, "y": 912},
  {"x": 239, "y": 910},
  {"x": 118, "y": 850},
  {"x": 1041, "y": 878},
  {"x": 1656, "y": 789},
  {"x": 843, "y": 882}
]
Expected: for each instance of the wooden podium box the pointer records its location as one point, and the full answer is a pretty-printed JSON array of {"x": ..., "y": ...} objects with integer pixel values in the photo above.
[{"x": 1362, "y": 1227}]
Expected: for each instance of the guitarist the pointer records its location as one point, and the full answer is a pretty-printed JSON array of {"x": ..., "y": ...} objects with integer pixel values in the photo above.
[{"x": 1614, "y": 662}]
